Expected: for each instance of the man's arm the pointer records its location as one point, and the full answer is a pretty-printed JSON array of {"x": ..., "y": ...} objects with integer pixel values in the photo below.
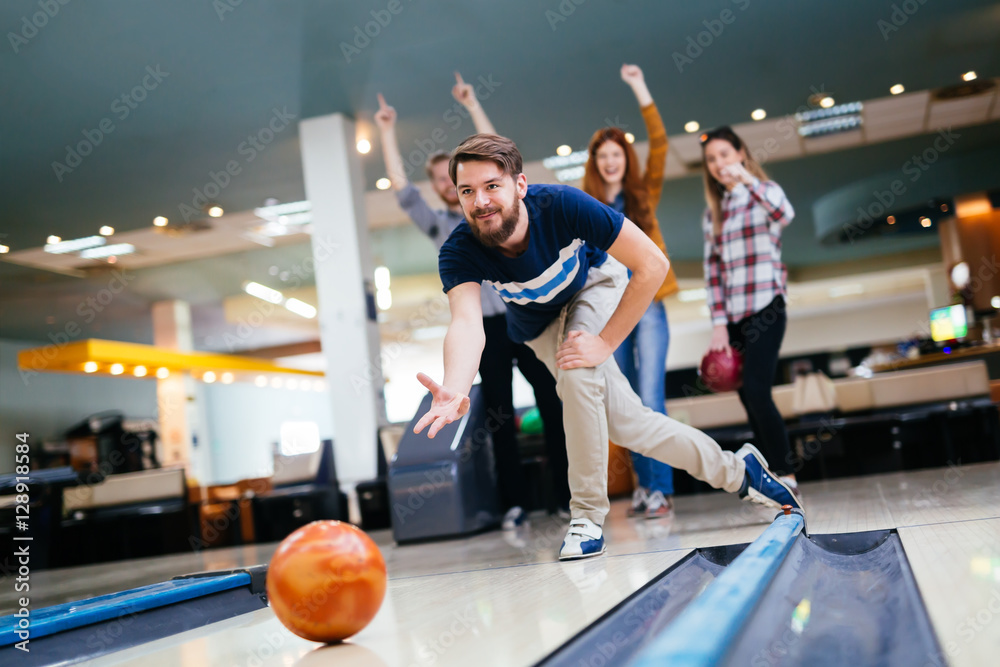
[
  {"x": 465, "y": 94},
  {"x": 385, "y": 119},
  {"x": 463, "y": 348},
  {"x": 649, "y": 267}
]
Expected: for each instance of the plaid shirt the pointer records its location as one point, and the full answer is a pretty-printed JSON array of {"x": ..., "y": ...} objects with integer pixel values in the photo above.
[{"x": 743, "y": 266}]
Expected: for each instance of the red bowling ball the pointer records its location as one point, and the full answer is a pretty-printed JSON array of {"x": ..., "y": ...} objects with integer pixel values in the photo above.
[{"x": 722, "y": 371}]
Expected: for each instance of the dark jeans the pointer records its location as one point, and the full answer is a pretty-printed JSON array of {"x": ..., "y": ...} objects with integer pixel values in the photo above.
[
  {"x": 759, "y": 338},
  {"x": 497, "y": 373}
]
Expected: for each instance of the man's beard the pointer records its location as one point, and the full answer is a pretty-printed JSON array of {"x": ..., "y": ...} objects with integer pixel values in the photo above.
[{"x": 495, "y": 235}]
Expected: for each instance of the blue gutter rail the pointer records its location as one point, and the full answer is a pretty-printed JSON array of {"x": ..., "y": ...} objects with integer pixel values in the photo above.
[
  {"x": 59, "y": 618},
  {"x": 703, "y": 633}
]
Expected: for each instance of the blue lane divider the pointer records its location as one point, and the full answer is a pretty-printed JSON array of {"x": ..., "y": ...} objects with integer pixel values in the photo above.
[
  {"x": 69, "y": 615},
  {"x": 703, "y": 632}
]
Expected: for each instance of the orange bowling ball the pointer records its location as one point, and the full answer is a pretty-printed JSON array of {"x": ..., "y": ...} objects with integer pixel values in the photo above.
[{"x": 326, "y": 581}]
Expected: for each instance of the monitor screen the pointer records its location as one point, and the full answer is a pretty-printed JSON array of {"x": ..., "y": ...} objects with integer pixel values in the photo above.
[{"x": 948, "y": 323}]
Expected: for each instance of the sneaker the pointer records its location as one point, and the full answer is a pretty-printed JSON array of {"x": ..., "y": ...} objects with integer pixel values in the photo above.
[
  {"x": 639, "y": 499},
  {"x": 583, "y": 540},
  {"x": 659, "y": 505},
  {"x": 514, "y": 517},
  {"x": 760, "y": 485},
  {"x": 792, "y": 484}
]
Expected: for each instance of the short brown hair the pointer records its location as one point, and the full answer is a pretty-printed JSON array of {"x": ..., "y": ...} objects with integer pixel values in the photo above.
[
  {"x": 433, "y": 159},
  {"x": 487, "y": 148}
]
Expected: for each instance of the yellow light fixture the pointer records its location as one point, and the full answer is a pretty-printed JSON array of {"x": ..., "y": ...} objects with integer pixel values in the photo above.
[
  {"x": 897, "y": 89},
  {"x": 383, "y": 184},
  {"x": 564, "y": 150},
  {"x": 208, "y": 377},
  {"x": 891, "y": 219},
  {"x": 215, "y": 211},
  {"x": 969, "y": 76},
  {"x": 90, "y": 367},
  {"x": 364, "y": 146},
  {"x": 117, "y": 369},
  {"x": 160, "y": 221},
  {"x": 4, "y": 249},
  {"x": 53, "y": 239},
  {"x": 827, "y": 102},
  {"x": 758, "y": 114},
  {"x": 629, "y": 137},
  {"x": 162, "y": 373},
  {"x": 925, "y": 221},
  {"x": 107, "y": 230},
  {"x": 139, "y": 371},
  {"x": 691, "y": 126}
]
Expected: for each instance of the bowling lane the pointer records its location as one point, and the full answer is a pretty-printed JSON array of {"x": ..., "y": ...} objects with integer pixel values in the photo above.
[
  {"x": 957, "y": 568},
  {"x": 504, "y": 616}
]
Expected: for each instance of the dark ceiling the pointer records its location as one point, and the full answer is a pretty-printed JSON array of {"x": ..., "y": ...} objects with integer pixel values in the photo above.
[{"x": 227, "y": 66}]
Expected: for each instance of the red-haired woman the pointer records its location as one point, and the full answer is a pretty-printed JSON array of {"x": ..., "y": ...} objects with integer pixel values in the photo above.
[
  {"x": 613, "y": 175},
  {"x": 747, "y": 281}
]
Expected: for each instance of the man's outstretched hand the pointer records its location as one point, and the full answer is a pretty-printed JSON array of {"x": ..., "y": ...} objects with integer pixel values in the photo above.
[{"x": 446, "y": 407}]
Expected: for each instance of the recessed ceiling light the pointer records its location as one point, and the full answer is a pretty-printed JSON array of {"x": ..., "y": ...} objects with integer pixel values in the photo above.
[
  {"x": 383, "y": 184},
  {"x": 160, "y": 221},
  {"x": 364, "y": 146},
  {"x": 629, "y": 137},
  {"x": 944, "y": 208},
  {"x": 53, "y": 239},
  {"x": 891, "y": 219},
  {"x": 564, "y": 150},
  {"x": 995, "y": 302},
  {"x": 4, "y": 249},
  {"x": 163, "y": 373},
  {"x": 139, "y": 371},
  {"x": 107, "y": 231},
  {"x": 827, "y": 102},
  {"x": 117, "y": 369},
  {"x": 758, "y": 114},
  {"x": 90, "y": 367},
  {"x": 227, "y": 378},
  {"x": 215, "y": 211},
  {"x": 208, "y": 377},
  {"x": 969, "y": 76},
  {"x": 263, "y": 292},
  {"x": 260, "y": 381},
  {"x": 925, "y": 221},
  {"x": 691, "y": 126},
  {"x": 897, "y": 89},
  {"x": 277, "y": 382}
]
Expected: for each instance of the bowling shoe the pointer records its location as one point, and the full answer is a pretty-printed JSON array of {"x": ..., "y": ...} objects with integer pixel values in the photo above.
[
  {"x": 583, "y": 540},
  {"x": 514, "y": 517},
  {"x": 638, "y": 505},
  {"x": 760, "y": 485},
  {"x": 659, "y": 505}
]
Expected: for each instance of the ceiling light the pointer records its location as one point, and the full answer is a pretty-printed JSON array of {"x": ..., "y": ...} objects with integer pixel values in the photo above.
[
  {"x": 4, "y": 249},
  {"x": 969, "y": 76},
  {"x": 383, "y": 184},
  {"x": 891, "y": 219},
  {"x": 73, "y": 245},
  {"x": 208, "y": 377},
  {"x": 382, "y": 277},
  {"x": 995, "y": 302},
  {"x": 53, "y": 239},
  {"x": 90, "y": 367},
  {"x": 117, "y": 369},
  {"x": 277, "y": 382},
  {"x": 227, "y": 378},
  {"x": 163, "y": 373},
  {"x": 564, "y": 150},
  {"x": 364, "y": 146},
  {"x": 272, "y": 212},
  {"x": 263, "y": 292},
  {"x": 108, "y": 251},
  {"x": 570, "y": 174},
  {"x": 897, "y": 89},
  {"x": 215, "y": 211},
  {"x": 160, "y": 221},
  {"x": 107, "y": 231},
  {"x": 139, "y": 371},
  {"x": 691, "y": 126},
  {"x": 758, "y": 114},
  {"x": 629, "y": 137},
  {"x": 827, "y": 102},
  {"x": 925, "y": 221},
  {"x": 559, "y": 161},
  {"x": 944, "y": 208},
  {"x": 301, "y": 308},
  {"x": 839, "y": 118},
  {"x": 260, "y": 381},
  {"x": 383, "y": 298}
]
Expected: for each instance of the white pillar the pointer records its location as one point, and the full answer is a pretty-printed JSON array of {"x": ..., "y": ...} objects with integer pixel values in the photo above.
[
  {"x": 344, "y": 275},
  {"x": 179, "y": 398}
]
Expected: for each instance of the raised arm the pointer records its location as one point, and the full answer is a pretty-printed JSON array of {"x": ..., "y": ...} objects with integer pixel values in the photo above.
[
  {"x": 657, "y": 161},
  {"x": 463, "y": 348},
  {"x": 465, "y": 94},
  {"x": 385, "y": 119}
]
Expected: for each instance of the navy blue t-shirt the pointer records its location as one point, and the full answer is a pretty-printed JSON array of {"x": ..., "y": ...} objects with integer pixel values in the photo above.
[{"x": 568, "y": 232}]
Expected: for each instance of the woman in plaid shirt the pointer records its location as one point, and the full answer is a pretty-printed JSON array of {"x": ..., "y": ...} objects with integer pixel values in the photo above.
[{"x": 747, "y": 283}]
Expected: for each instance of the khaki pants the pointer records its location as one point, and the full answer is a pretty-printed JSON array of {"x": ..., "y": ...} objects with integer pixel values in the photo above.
[{"x": 599, "y": 403}]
